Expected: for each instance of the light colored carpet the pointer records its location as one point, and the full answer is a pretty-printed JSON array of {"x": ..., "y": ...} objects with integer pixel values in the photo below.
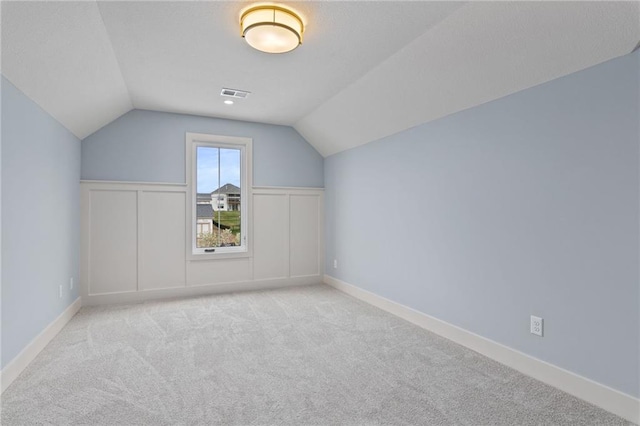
[{"x": 308, "y": 355}]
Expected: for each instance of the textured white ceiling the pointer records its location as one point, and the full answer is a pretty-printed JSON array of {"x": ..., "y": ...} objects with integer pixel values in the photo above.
[
  {"x": 365, "y": 70},
  {"x": 177, "y": 56},
  {"x": 479, "y": 53},
  {"x": 59, "y": 55}
]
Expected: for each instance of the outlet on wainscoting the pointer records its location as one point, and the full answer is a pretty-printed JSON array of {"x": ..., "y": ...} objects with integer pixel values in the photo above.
[{"x": 335, "y": 263}]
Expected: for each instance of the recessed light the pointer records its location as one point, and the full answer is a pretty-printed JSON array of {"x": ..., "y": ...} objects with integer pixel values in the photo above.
[{"x": 228, "y": 102}]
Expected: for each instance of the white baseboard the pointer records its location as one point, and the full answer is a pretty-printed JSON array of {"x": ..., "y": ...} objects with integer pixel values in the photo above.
[
  {"x": 199, "y": 290},
  {"x": 12, "y": 370},
  {"x": 616, "y": 402}
]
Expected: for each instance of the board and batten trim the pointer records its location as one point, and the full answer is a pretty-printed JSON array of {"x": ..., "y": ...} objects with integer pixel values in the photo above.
[
  {"x": 287, "y": 188},
  {"x": 609, "y": 399},
  {"x": 17, "y": 365},
  {"x": 192, "y": 283},
  {"x": 122, "y": 182},
  {"x": 319, "y": 195}
]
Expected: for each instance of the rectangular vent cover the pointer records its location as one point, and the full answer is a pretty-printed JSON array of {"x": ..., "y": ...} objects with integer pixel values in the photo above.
[{"x": 233, "y": 93}]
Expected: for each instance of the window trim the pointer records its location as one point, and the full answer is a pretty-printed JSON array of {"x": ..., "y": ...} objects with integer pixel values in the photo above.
[{"x": 192, "y": 141}]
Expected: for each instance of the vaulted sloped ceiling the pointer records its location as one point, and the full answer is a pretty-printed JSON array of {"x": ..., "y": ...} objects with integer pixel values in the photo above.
[
  {"x": 59, "y": 54},
  {"x": 366, "y": 69},
  {"x": 479, "y": 53}
]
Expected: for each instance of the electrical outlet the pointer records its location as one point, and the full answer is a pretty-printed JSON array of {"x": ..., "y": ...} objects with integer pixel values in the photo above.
[
  {"x": 71, "y": 283},
  {"x": 536, "y": 325},
  {"x": 60, "y": 292},
  {"x": 335, "y": 263}
]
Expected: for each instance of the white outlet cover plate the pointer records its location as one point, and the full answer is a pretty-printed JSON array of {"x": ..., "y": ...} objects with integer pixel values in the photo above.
[{"x": 536, "y": 325}]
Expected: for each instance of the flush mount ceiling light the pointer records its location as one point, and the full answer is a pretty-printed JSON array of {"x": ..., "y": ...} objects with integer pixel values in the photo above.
[{"x": 271, "y": 29}]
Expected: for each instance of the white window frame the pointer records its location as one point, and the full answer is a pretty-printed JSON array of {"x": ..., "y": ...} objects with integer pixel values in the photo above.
[{"x": 194, "y": 140}]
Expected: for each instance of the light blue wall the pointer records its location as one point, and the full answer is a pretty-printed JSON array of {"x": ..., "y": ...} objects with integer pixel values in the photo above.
[
  {"x": 40, "y": 219},
  {"x": 149, "y": 146},
  {"x": 525, "y": 205}
]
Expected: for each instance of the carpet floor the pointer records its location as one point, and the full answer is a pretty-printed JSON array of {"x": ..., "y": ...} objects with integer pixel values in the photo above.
[{"x": 296, "y": 356}]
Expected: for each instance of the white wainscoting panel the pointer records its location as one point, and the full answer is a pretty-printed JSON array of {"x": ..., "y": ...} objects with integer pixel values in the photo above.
[
  {"x": 113, "y": 246},
  {"x": 134, "y": 243},
  {"x": 162, "y": 242},
  {"x": 270, "y": 236},
  {"x": 305, "y": 235},
  {"x": 205, "y": 272}
]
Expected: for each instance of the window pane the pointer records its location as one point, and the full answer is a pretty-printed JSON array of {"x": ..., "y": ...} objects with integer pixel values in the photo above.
[{"x": 218, "y": 197}]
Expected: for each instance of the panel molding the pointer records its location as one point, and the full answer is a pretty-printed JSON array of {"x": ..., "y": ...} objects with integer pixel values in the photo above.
[
  {"x": 121, "y": 182},
  {"x": 201, "y": 276},
  {"x": 289, "y": 189},
  {"x": 292, "y": 192},
  {"x": 116, "y": 240},
  {"x": 169, "y": 215},
  {"x": 17, "y": 365},
  {"x": 318, "y": 232},
  {"x": 602, "y": 396},
  {"x": 271, "y": 236}
]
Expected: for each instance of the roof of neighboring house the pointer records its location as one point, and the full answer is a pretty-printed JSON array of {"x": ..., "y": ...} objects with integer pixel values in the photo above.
[
  {"x": 205, "y": 211},
  {"x": 203, "y": 196},
  {"x": 227, "y": 189}
]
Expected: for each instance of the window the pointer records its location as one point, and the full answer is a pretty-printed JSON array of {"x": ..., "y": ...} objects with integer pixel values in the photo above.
[
  {"x": 218, "y": 170},
  {"x": 203, "y": 227}
]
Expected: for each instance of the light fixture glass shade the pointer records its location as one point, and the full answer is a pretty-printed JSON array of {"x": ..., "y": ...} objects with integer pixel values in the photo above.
[{"x": 271, "y": 29}]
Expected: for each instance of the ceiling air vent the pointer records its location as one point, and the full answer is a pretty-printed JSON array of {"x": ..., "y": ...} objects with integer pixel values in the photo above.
[{"x": 233, "y": 93}]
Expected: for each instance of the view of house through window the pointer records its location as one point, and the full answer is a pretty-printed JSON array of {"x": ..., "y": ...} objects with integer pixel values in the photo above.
[{"x": 218, "y": 198}]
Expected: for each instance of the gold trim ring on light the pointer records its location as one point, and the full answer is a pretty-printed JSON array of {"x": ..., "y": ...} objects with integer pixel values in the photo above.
[{"x": 272, "y": 21}]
